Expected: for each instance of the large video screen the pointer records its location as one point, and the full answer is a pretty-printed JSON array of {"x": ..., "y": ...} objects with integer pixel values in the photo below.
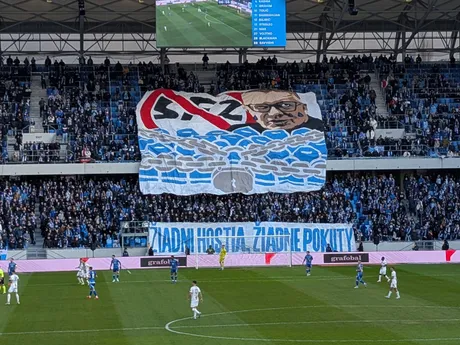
[{"x": 220, "y": 23}]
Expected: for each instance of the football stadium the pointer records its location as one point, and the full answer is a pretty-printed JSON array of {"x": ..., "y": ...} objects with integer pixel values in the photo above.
[{"x": 229, "y": 172}]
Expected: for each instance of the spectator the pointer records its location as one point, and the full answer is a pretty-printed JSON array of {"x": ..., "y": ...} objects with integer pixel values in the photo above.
[
  {"x": 445, "y": 245},
  {"x": 125, "y": 253},
  {"x": 210, "y": 250}
]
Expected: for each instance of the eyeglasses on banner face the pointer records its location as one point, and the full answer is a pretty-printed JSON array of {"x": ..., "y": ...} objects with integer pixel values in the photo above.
[{"x": 285, "y": 106}]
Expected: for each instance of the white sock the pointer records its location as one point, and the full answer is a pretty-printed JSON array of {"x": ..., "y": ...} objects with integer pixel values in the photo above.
[
  {"x": 8, "y": 298},
  {"x": 387, "y": 277},
  {"x": 194, "y": 313},
  {"x": 397, "y": 294},
  {"x": 197, "y": 311},
  {"x": 17, "y": 298},
  {"x": 389, "y": 293}
]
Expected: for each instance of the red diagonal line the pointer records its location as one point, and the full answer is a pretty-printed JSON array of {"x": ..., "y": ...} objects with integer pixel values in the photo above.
[{"x": 184, "y": 102}]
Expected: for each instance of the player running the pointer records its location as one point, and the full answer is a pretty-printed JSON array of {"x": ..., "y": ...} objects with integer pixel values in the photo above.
[
  {"x": 308, "y": 259},
  {"x": 222, "y": 255},
  {"x": 115, "y": 266},
  {"x": 174, "y": 267},
  {"x": 195, "y": 297},
  {"x": 13, "y": 288},
  {"x": 2, "y": 282},
  {"x": 11, "y": 267},
  {"x": 359, "y": 275},
  {"x": 82, "y": 273},
  {"x": 92, "y": 283},
  {"x": 393, "y": 284},
  {"x": 383, "y": 270}
]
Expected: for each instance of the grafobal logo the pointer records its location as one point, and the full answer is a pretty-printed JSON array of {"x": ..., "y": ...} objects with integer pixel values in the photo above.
[{"x": 345, "y": 258}]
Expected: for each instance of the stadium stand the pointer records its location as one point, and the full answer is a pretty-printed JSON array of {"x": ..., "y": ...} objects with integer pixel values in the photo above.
[
  {"x": 92, "y": 111},
  {"x": 73, "y": 212},
  {"x": 92, "y": 108}
]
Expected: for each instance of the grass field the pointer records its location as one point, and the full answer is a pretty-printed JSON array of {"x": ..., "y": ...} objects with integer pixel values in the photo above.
[
  {"x": 189, "y": 28},
  {"x": 241, "y": 306}
]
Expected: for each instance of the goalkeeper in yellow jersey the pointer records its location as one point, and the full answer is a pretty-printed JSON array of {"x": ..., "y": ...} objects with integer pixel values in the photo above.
[
  {"x": 222, "y": 255},
  {"x": 2, "y": 282}
]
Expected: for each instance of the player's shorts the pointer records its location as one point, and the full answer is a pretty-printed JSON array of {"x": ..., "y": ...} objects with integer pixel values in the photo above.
[
  {"x": 221, "y": 259},
  {"x": 81, "y": 274},
  {"x": 308, "y": 265},
  {"x": 10, "y": 273},
  {"x": 173, "y": 270},
  {"x": 194, "y": 303},
  {"x": 92, "y": 286},
  {"x": 12, "y": 289},
  {"x": 2, "y": 281},
  {"x": 359, "y": 275},
  {"x": 115, "y": 270},
  {"x": 394, "y": 285},
  {"x": 383, "y": 271}
]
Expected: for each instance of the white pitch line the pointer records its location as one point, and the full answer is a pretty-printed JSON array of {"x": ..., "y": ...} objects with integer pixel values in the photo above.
[
  {"x": 175, "y": 330},
  {"x": 67, "y": 331},
  {"x": 168, "y": 328},
  {"x": 230, "y": 280},
  {"x": 318, "y": 322},
  {"x": 221, "y": 22}
]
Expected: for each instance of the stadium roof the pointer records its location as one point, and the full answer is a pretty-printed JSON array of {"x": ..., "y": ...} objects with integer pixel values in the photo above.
[
  {"x": 326, "y": 20},
  {"x": 103, "y": 16}
]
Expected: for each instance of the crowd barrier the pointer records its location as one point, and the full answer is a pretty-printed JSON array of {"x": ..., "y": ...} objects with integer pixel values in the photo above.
[{"x": 242, "y": 260}]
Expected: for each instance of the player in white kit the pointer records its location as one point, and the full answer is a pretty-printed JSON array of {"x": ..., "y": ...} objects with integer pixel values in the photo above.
[
  {"x": 82, "y": 273},
  {"x": 393, "y": 284},
  {"x": 383, "y": 270},
  {"x": 13, "y": 288},
  {"x": 195, "y": 297}
]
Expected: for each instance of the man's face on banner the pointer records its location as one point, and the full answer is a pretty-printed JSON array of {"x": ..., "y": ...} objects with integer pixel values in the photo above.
[{"x": 275, "y": 110}]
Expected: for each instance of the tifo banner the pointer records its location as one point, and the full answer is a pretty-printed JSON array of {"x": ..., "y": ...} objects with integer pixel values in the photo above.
[
  {"x": 174, "y": 238},
  {"x": 248, "y": 142}
]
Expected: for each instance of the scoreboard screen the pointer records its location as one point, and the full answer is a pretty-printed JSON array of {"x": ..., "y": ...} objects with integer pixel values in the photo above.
[{"x": 220, "y": 23}]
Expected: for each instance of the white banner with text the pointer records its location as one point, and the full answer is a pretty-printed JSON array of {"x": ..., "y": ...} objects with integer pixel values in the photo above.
[{"x": 264, "y": 237}]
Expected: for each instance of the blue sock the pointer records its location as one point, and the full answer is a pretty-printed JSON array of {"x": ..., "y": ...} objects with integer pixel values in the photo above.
[
  {"x": 95, "y": 293},
  {"x": 90, "y": 292},
  {"x": 357, "y": 282},
  {"x": 113, "y": 276}
]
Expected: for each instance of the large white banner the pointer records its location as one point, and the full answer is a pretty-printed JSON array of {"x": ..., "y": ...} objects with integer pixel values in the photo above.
[
  {"x": 173, "y": 238},
  {"x": 249, "y": 142}
]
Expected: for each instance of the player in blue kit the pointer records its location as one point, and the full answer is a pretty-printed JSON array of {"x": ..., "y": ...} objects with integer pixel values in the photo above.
[
  {"x": 359, "y": 275},
  {"x": 174, "y": 267},
  {"x": 11, "y": 267},
  {"x": 115, "y": 266},
  {"x": 308, "y": 263},
  {"x": 92, "y": 283}
]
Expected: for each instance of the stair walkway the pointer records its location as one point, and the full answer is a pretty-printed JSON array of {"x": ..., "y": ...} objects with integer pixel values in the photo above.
[
  {"x": 37, "y": 94},
  {"x": 382, "y": 109}
]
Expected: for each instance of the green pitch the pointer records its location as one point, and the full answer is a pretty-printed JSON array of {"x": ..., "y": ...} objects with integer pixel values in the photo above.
[
  {"x": 204, "y": 24},
  {"x": 241, "y": 306}
]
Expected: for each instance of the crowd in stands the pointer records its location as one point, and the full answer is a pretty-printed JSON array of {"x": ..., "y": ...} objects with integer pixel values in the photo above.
[
  {"x": 425, "y": 100},
  {"x": 76, "y": 212},
  {"x": 92, "y": 107}
]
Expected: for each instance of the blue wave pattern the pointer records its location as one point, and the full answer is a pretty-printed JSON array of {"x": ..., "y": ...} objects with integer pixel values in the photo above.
[{"x": 242, "y": 161}]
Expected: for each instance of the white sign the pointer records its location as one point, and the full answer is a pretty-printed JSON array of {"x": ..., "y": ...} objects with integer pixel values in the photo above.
[
  {"x": 46, "y": 138},
  {"x": 173, "y": 238}
]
